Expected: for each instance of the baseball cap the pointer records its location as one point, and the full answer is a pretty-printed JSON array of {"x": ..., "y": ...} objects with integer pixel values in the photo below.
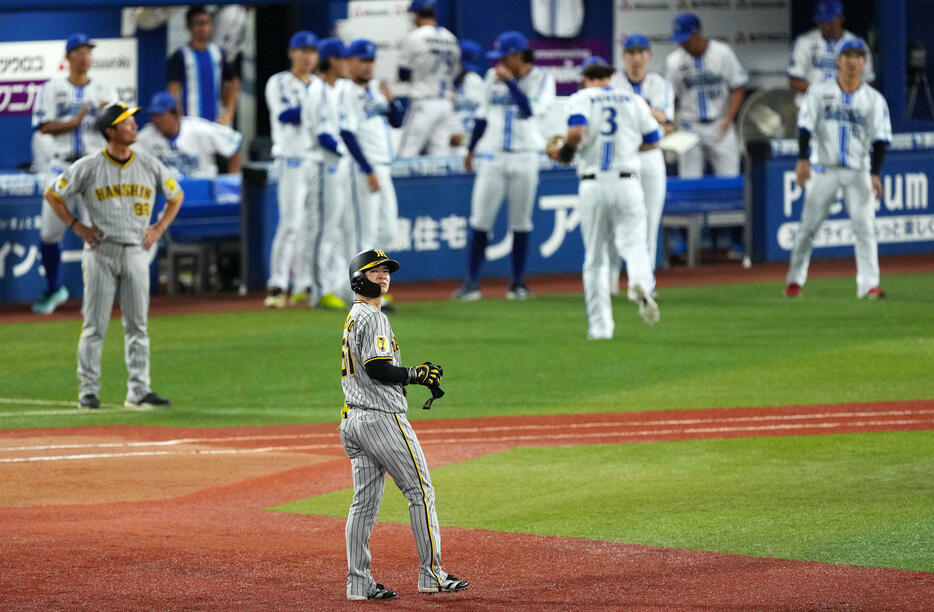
[
  {"x": 471, "y": 55},
  {"x": 854, "y": 44},
  {"x": 826, "y": 10},
  {"x": 634, "y": 41},
  {"x": 362, "y": 48},
  {"x": 593, "y": 59},
  {"x": 331, "y": 47},
  {"x": 508, "y": 42},
  {"x": 114, "y": 114},
  {"x": 303, "y": 38},
  {"x": 684, "y": 26},
  {"x": 162, "y": 102},
  {"x": 78, "y": 39},
  {"x": 419, "y": 5}
]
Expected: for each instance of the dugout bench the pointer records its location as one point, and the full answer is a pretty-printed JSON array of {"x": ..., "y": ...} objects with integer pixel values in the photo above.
[{"x": 695, "y": 204}]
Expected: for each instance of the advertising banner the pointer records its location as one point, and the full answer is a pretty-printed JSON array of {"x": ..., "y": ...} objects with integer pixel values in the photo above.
[
  {"x": 385, "y": 22},
  {"x": 24, "y": 66}
]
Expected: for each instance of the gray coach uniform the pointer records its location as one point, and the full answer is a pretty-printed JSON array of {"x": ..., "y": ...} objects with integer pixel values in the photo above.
[{"x": 119, "y": 199}]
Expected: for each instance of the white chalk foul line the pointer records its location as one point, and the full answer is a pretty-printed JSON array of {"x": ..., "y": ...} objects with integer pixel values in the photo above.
[{"x": 487, "y": 440}]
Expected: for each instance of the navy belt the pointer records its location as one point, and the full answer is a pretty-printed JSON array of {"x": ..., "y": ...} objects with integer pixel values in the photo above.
[{"x": 590, "y": 177}]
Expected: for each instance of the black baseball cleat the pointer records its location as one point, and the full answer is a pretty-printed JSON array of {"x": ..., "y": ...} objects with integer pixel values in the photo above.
[
  {"x": 381, "y": 592},
  {"x": 150, "y": 400},
  {"x": 449, "y": 585},
  {"x": 89, "y": 401}
]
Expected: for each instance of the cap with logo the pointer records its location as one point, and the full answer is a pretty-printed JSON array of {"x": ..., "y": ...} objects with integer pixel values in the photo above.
[
  {"x": 162, "y": 102},
  {"x": 114, "y": 115},
  {"x": 636, "y": 41},
  {"x": 854, "y": 44},
  {"x": 363, "y": 49},
  {"x": 331, "y": 47},
  {"x": 508, "y": 42},
  {"x": 593, "y": 60},
  {"x": 303, "y": 38},
  {"x": 827, "y": 10},
  {"x": 684, "y": 27},
  {"x": 78, "y": 39}
]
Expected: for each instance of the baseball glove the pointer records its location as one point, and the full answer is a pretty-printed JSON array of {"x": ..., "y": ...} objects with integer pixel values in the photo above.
[{"x": 553, "y": 145}]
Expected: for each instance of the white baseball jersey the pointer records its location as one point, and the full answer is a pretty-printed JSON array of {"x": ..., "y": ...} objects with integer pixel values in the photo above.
[
  {"x": 505, "y": 129},
  {"x": 813, "y": 58},
  {"x": 654, "y": 89},
  {"x": 702, "y": 85},
  {"x": 844, "y": 125},
  {"x": 363, "y": 111},
  {"x": 316, "y": 119},
  {"x": 558, "y": 18},
  {"x": 432, "y": 54},
  {"x": 60, "y": 100},
  {"x": 119, "y": 197},
  {"x": 367, "y": 337},
  {"x": 341, "y": 90},
  {"x": 284, "y": 90},
  {"x": 618, "y": 123},
  {"x": 191, "y": 153},
  {"x": 467, "y": 99}
]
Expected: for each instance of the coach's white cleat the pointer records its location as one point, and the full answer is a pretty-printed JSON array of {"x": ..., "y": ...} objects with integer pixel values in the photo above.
[
  {"x": 274, "y": 300},
  {"x": 468, "y": 292},
  {"x": 381, "y": 592},
  {"x": 150, "y": 400},
  {"x": 49, "y": 301},
  {"x": 519, "y": 292},
  {"x": 450, "y": 584},
  {"x": 648, "y": 309}
]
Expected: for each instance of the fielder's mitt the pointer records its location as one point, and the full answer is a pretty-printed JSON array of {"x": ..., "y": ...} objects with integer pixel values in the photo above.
[{"x": 554, "y": 144}]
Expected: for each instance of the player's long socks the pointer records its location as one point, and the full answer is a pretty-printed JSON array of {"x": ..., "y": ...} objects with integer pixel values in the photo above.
[
  {"x": 51, "y": 261},
  {"x": 478, "y": 240},
  {"x": 520, "y": 248}
]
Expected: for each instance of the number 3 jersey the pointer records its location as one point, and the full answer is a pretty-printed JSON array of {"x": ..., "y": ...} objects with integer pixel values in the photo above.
[
  {"x": 119, "y": 197},
  {"x": 367, "y": 337},
  {"x": 617, "y": 122}
]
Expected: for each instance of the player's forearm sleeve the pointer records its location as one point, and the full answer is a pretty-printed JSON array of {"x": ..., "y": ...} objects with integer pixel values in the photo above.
[
  {"x": 383, "y": 371},
  {"x": 479, "y": 126},
  {"x": 804, "y": 143},
  {"x": 522, "y": 100},
  {"x": 405, "y": 74},
  {"x": 396, "y": 113},
  {"x": 291, "y": 115},
  {"x": 877, "y": 156},
  {"x": 354, "y": 147}
]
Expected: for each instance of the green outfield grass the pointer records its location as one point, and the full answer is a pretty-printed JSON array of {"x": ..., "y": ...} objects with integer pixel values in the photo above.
[
  {"x": 864, "y": 499},
  {"x": 720, "y": 346}
]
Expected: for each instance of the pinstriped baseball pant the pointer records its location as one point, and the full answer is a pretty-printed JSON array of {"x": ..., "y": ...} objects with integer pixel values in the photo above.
[
  {"x": 113, "y": 270},
  {"x": 379, "y": 443}
]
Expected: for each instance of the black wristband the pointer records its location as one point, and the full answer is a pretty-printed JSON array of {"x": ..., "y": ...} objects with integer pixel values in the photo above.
[
  {"x": 73, "y": 221},
  {"x": 877, "y": 156},
  {"x": 566, "y": 153},
  {"x": 804, "y": 144}
]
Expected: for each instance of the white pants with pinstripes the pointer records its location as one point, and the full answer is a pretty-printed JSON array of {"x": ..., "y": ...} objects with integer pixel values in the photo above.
[
  {"x": 112, "y": 270},
  {"x": 379, "y": 443}
]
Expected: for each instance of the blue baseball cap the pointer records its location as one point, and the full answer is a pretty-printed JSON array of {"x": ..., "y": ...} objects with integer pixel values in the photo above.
[
  {"x": 162, "y": 102},
  {"x": 590, "y": 61},
  {"x": 508, "y": 42},
  {"x": 362, "y": 48},
  {"x": 471, "y": 55},
  {"x": 418, "y": 5},
  {"x": 78, "y": 39},
  {"x": 684, "y": 27},
  {"x": 854, "y": 44},
  {"x": 634, "y": 41},
  {"x": 303, "y": 38},
  {"x": 826, "y": 10},
  {"x": 331, "y": 47}
]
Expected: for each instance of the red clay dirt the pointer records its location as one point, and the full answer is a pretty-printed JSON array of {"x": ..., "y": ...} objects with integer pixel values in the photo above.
[{"x": 112, "y": 518}]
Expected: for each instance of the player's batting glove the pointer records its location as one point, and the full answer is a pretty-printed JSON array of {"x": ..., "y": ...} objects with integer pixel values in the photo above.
[{"x": 427, "y": 374}]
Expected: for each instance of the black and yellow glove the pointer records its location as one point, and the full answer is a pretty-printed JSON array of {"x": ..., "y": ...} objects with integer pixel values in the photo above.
[{"x": 427, "y": 374}]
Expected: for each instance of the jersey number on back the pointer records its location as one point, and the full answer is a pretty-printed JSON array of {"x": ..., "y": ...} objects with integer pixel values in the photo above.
[{"x": 609, "y": 121}]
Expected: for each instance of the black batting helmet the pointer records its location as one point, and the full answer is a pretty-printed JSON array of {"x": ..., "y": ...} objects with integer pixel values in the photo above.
[{"x": 364, "y": 260}]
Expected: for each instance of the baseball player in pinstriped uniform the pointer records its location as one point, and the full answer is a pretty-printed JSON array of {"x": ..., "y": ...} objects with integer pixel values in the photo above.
[
  {"x": 506, "y": 138},
  {"x": 609, "y": 127},
  {"x": 119, "y": 188},
  {"x": 814, "y": 54},
  {"x": 849, "y": 122},
  {"x": 369, "y": 110},
  {"x": 656, "y": 91},
  {"x": 188, "y": 145},
  {"x": 63, "y": 118},
  {"x": 429, "y": 62},
  {"x": 199, "y": 74},
  {"x": 378, "y": 437},
  {"x": 290, "y": 95},
  {"x": 709, "y": 84}
]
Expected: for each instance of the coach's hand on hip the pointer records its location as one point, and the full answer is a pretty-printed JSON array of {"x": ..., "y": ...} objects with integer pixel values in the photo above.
[
  {"x": 152, "y": 235},
  {"x": 91, "y": 235}
]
